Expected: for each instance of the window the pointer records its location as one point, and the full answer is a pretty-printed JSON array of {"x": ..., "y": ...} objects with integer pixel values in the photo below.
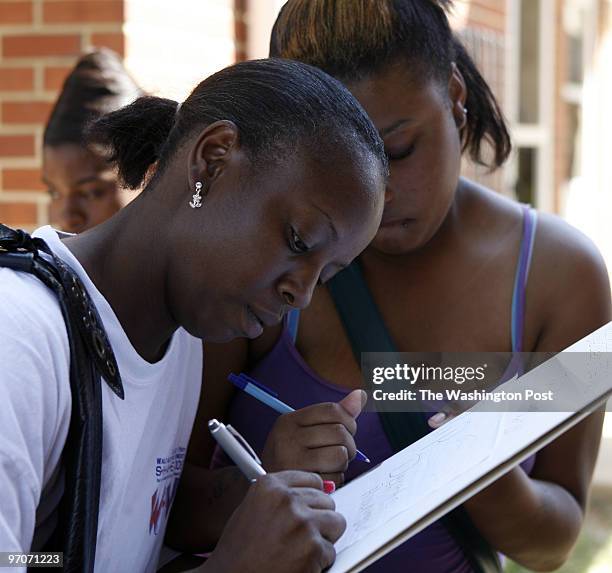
[{"x": 530, "y": 96}]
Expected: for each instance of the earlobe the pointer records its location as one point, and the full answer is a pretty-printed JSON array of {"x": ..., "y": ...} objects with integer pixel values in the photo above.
[{"x": 212, "y": 151}]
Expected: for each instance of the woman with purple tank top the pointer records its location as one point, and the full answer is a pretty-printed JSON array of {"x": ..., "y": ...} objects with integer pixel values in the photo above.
[{"x": 454, "y": 267}]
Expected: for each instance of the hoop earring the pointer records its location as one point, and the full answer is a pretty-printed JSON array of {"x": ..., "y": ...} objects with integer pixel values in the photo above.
[{"x": 196, "y": 199}]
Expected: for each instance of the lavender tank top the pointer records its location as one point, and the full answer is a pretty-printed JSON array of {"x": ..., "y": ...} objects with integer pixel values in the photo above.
[{"x": 284, "y": 371}]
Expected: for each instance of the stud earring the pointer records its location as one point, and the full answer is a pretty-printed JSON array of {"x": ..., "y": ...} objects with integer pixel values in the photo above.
[{"x": 196, "y": 199}]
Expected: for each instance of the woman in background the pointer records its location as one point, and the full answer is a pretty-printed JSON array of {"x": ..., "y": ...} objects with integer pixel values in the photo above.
[
  {"x": 454, "y": 267},
  {"x": 84, "y": 188}
]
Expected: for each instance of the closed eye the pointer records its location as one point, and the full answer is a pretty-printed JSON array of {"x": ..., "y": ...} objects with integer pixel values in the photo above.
[{"x": 401, "y": 154}]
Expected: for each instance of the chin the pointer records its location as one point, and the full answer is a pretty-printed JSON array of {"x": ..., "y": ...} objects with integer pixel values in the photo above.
[
  {"x": 397, "y": 245},
  {"x": 400, "y": 240},
  {"x": 210, "y": 331},
  {"x": 221, "y": 338}
]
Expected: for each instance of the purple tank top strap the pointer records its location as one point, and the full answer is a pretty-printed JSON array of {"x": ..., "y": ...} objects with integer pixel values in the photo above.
[
  {"x": 522, "y": 274},
  {"x": 292, "y": 321}
]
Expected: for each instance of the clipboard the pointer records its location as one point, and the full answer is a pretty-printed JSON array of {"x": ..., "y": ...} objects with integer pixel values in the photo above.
[{"x": 517, "y": 436}]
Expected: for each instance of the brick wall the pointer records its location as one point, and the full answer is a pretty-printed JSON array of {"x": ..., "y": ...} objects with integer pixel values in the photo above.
[
  {"x": 241, "y": 29},
  {"x": 490, "y": 14},
  {"x": 39, "y": 40}
]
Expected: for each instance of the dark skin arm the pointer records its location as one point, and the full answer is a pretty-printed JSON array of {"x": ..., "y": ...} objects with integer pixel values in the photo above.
[{"x": 536, "y": 519}]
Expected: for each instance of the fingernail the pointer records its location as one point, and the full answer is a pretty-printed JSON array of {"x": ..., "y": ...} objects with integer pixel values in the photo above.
[
  {"x": 329, "y": 486},
  {"x": 364, "y": 398},
  {"x": 438, "y": 418}
]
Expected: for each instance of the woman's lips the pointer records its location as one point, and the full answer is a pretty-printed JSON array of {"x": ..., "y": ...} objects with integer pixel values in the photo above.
[
  {"x": 254, "y": 326},
  {"x": 398, "y": 222}
]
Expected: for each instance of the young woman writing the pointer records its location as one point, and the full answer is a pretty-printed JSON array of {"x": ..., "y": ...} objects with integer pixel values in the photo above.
[{"x": 268, "y": 178}]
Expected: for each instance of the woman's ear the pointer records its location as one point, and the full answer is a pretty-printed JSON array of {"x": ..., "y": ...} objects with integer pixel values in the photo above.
[
  {"x": 457, "y": 93},
  {"x": 211, "y": 152}
]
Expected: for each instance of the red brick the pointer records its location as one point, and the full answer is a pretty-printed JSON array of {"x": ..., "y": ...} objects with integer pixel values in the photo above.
[
  {"x": 25, "y": 111},
  {"x": 486, "y": 18},
  {"x": 40, "y": 45},
  {"x": 63, "y": 11},
  {"x": 15, "y": 12},
  {"x": 22, "y": 180},
  {"x": 54, "y": 77},
  {"x": 18, "y": 214},
  {"x": 16, "y": 79},
  {"x": 240, "y": 31},
  {"x": 16, "y": 145},
  {"x": 113, "y": 41}
]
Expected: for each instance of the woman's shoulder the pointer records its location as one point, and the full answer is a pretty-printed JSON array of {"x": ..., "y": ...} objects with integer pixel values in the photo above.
[
  {"x": 568, "y": 271},
  {"x": 568, "y": 289},
  {"x": 35, "y": 358},
  {"x": 28, "y": 306},
  {"x": 554, "y": 236}
]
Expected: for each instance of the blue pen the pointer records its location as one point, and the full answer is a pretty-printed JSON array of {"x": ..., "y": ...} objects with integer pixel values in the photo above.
[{"x": 269, "y": 398}]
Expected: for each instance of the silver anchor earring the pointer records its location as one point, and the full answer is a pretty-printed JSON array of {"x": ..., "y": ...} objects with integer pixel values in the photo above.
[{"x": 196, "y": 199}]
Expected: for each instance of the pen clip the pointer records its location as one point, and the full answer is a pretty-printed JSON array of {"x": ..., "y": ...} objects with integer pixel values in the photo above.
[
  {"x": 243, "y": 443},
  {"x": 250, "y": 380}
]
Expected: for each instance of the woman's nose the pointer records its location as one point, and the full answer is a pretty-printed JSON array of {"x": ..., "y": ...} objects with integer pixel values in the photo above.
[
  {"x": 73, "y": 216},
  {"x": 297, "y": 292}
]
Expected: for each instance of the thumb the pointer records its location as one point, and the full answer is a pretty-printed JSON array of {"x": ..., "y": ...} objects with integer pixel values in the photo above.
[{"x": 354, "y": 402}]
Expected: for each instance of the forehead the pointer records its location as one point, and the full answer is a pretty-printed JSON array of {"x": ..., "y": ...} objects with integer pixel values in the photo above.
[
  {"x": 331, "y": 181},
  {"x": 398, "y": 93},
  {"x": 67, "y": 164}
]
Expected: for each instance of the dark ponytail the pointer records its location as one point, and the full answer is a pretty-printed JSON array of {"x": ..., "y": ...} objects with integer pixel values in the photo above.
[
  {"x": 354, "y": 40},
  {"x": 133, "y": 137},
  {"x": 485, "y": 120},
  {"x": 98, "y": 84},
  {"x": 275, "y": 104}
]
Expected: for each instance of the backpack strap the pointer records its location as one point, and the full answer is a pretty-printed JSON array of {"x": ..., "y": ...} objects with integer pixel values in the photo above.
[
  {"x": 90, "y": 357},
  {"x": 367, "y": 332}
]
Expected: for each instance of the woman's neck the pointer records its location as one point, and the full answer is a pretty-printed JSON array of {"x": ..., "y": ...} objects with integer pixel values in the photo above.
[{"x": 126, "y": 261}]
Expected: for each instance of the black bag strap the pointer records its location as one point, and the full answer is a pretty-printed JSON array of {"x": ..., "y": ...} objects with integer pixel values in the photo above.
[
  {"x": 91, "y": 356},
  {"x": 366, "y": 331}
]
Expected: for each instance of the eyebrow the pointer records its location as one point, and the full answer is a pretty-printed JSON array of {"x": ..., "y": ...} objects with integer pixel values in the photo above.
[
  {"x": 394, "y": 126},
  {"x": 330, "y": 222},
  {"x": 87, "y": 179}
]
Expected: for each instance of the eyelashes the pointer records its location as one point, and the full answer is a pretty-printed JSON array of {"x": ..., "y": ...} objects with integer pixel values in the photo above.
[
  {"x": 296, "y": 243},
  {"x": 298, "y": 246},
  {"x": 402, "y": 154}
]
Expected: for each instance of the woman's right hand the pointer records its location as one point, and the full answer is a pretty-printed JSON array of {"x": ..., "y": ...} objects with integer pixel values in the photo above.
[
  {"x": 317, "y": 439},
  {"x": 285, "y": 524}
]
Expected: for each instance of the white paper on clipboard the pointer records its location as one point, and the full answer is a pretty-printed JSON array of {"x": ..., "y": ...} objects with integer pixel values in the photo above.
[{"x": 426, "y": 480}]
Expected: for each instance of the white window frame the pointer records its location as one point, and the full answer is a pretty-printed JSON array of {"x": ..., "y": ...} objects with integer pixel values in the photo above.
[{"x": 538, "y": 135}]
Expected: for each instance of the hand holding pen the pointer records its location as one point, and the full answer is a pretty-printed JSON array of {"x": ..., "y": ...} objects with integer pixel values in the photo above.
[
  {"x": 285, "y": 523},
  {"x": 317, "y": 438}
]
